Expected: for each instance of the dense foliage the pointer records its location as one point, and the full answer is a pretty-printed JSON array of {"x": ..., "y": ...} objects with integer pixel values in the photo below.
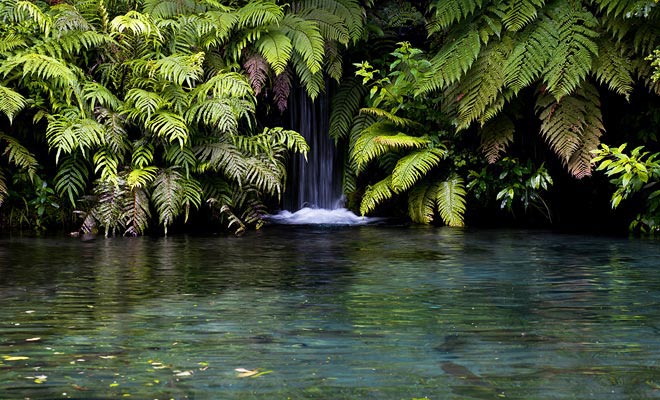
[{"x": 133, "y": 113}]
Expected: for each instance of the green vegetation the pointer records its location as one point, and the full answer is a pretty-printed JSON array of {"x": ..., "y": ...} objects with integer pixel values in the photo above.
[{"x": 124, "y": 115}]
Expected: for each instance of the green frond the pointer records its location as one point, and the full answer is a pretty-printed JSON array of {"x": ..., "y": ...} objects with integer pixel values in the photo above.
[
  {"x": 345, "y": 105},
  {"x": 306, "y": 40},
  {"x": 192, "y": 195},
  {"x": 496, "y": 135},
  {"x": 136, "y": 212},
  {"x": 414, "y": 166},
  {"x": 142, "y": 104},
  {"x": 143, "y": 154},
  {"x": 141, "y": 177},
  {"x": 71, "y": 178},
  {"x": 224, "y": 85},
  {"x": 167, "y": 196},
  {"x": 218, "y": 114},
  {"x": 181, "y": 69},
  {"x": 259, "y": 13},
  {"x": 64, "y": 134},
  {"x": 116, "y": 138},
  {"x": 4, "y": 191},
  {"x": 396, "y": 120},
  {"x": 257, "y": 70},
  {"x": 11, "y": 41},
  {"x": 265, "y": 175},
  {"x": 18, "y": 155},
  {"x": 11, "y": 102},
  {"x": 169, "y": 125},
  {"x": 107, "y": 163},
  {"x": 98, "y": 95},
  {"x": 276, "y": 47},
  {"x": 42, "y": 67},
  {"x": 349, "y": 11},
  {"x": 376, "y": 194},
  {"x": 67, "y": 18},
  {"x": 446, "y": 13},
  {"x": 313, "y": 82},
  {"x": 482, "y": 84},
  {"x": 28, "y": 11},
  {"x": 135, "y": 23},
  {"x": 334, "y": 63},
  {"x": 181, "y": 157},
  {"x": 520, "y": 13},
  {"x": 613, "y": 67},
  {"x": 572, "y": 127},
  {"x": 177, "y": 97},
  {"x": 647, "y": 33},
  {"x": 573, "y": 52},
  {"x": 224, "y": 157},
  {"x": 291, "y": 140},
  {"x": 366, "y": 148},
  {"x": 331, "y": 26},
  {"x": 402, "y": 141},
  {"x": 450, "y": 197},
  {"x": 530, "y": 55},
  {"x": 621, "y": 8},
  {"x": 453, "y": 60},
  {"x": 110, "y": 205},
  {"x": 421, "y": 202}
]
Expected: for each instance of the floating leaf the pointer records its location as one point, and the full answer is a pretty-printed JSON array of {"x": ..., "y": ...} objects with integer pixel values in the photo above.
[
  {"x": 34, "y": 339},
  {"x": 184, "y": 373},
  {"x": 15, "y": 358},
  {"x": 244, "y": 373},
  {"x": 107, "y": 357}
]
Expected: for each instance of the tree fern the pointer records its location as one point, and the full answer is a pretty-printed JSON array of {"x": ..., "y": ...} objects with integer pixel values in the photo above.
[
  {"x": 414, "y": 166},
  {"x": 257, "y": 70},
  {"x": 365, "y": 148},
  {"x": 613, "y": 67},
  {"x": 422, "y": 202},
  {"x": 376, "y": 194},
  {"x": 450, "y": 197},
  {"x": 169, "y": 125},
  {"x": 11, "y": 102},
  {"x": 447, "y": 13},
  {"x": 572, "y": 127},
  {"x": 136, "y": 212},
  {"x": 71, "y": 178},
  {"x": 18, "y": 155},
  {"x": 495, "y": 137},
  {"x": 141, "y": 178},
  {"x": 306, "y": 40},
  {"x": 168, "y": 195},
  {"x": 572, "y": 56},
  {"x": 345, "y": 104},
  {"x": 520, "y": 13}
]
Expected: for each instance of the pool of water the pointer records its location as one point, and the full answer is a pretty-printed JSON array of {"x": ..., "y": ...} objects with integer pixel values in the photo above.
[{"x": 367, "y": 312}]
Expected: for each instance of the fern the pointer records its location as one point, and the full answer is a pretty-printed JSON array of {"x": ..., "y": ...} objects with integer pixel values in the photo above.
[
  {"x": 572, "y": 127},
  {"x": 96, "y": 94},
  {"x": 168, "y": 196},
  {"x": 71, "y": 178},
  {"x": 4, "y": 191},
  {"x": 306, "y": 40},
  {"x": 107, "y": 163},
  {"x": 349, "y": 11},
  {"x": 135, "y": 23},
  {"x": 396, "y": 120},
  {"x": 259, "y": 13},
  {"x": 422, "y": 202},
  {"x": 572, "y": 56},
  {"x": 136, "y": 212},
  {"x": 225, "y": 157},
  {"x": 256, "y": 69},
  {"x": 366, "y": 148},
  {"x": 520, "y": 13},
  {"x": 453, "y": 60},
  {"x": 140, "y": 178},
  {"x": 345, "y": 104},
  {"x": 414, "y": 166},
  {"x": 181, "y": 157},
  {"x": 18, "y": 155},
  {"x": 376, "y": 194},
  {"x": 450, "y": 197},
  {"x": 184, "y": 69},
  {"x": 28, "y": 11},
  {"x": 11, "y": 102},
  {"x": 614, "y": 68},
  {"x": 447, "y": 13},
  {"x": 170, "y": 125},
  {"x": 495, "y": 137}
]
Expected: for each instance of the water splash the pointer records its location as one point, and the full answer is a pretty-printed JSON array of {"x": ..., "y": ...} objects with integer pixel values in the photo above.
[{"x": 320, "y": 216}]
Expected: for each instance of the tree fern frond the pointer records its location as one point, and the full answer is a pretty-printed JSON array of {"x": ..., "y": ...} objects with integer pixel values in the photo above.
[
  {"x": 291, "y": 140},
  {"x": 18, "y": 155},
  {"x": 65, "y": 134},
  {"x": 107, "y": 163},
  {"x": 572, "y": 127},
  {"x": 621, "y": 8},
  {"x": 10, "y": 41},
  {"x": 224, "y": 85},
  {"x": 453, "y": 59},
  {"x": 345, "y": 105},
  {"x": 366, "y": 148},
  {"x": 530, "y": 55},
  {"x": 140, "y": 178},
  {"x": 331, "y": 26},
  {"x": 225, "y": 157},
  {"x": 43, "y": 67},
  {"x": 109, "y": 208},
  {"x": 446, "y": 13},
  {"x": 306, "y": 40},
  {"x": 11, "y": 102},
  {"x": 136, "y": 23},
  {"x": 613, "y": 67},
  {"x": 181, "y": 157},
  {"x": 142, "y": 104},
  {"x": 143, "y": 154},
  {"x": 403, "y": 141},
  {"x": 257, "y": 69},
  {"x": 376, "y": 194},
  {"x": 27, "y": 11},
  {"x": 181, "y": 69},
  {"x": 520, "y": 13},
  {"x": 572, "y": 56},
  {"x": 281, "y": 90},
  {"x": 215, "y": 113},
  {"x": 396, "y": 120},
  {"x": 67, "y": 18},
  {"x": 482, "y": 84},
  {"x": 264, "y": 175},
  {"x": 313, "y": 82},
  {"x": 167, "y": 196},
  {"x": 4, "y": 191},
  {"x": 169, "y": 125},
  {"x": 422, "y": 202},
  {"x": 136, "y": 212},
  {"x": 349, "y": 11},
  {"x": 71, "y": 178},
  {"x": 414, "y": 166},
  {"x": 334, "y": 63},
  {"x": 450, "y": 197},
  {"x": 192, "y": 195},
  {"x": 98, "y": 95},
  {"x": 496, "y": 135},
  {"x": 259, "y": 13}
]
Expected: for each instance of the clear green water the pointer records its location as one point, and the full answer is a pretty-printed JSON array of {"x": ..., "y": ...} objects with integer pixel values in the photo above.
[{"x": 331, "y": 313}]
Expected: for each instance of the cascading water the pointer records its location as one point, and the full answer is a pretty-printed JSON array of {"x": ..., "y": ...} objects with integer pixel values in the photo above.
[{"x": 314, "y": 186}]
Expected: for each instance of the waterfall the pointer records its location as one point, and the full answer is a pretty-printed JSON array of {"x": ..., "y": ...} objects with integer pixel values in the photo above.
[
  {"x": 314, "y": 189},
  {"x": 315, "y": 183}
]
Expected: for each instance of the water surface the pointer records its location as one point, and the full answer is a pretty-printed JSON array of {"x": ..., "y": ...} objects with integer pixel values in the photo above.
[{"x": 366, "y": 312}]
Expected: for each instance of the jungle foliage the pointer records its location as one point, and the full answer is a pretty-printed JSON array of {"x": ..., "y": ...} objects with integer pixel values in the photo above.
[{"x": 136, "y": 113}]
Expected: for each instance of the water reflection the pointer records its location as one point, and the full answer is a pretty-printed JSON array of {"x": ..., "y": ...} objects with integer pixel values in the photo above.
[{"x": 362, "y": 312}]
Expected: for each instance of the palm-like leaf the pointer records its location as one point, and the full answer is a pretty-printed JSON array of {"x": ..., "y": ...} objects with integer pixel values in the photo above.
[
  {"x": 450, "y": 197},
  {"x": 414, "y": 166},
  {"x": 376, "y": 194}
]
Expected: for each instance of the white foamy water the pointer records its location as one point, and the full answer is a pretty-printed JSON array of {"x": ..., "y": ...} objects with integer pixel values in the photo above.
[{"x": 319, "y": 216}]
